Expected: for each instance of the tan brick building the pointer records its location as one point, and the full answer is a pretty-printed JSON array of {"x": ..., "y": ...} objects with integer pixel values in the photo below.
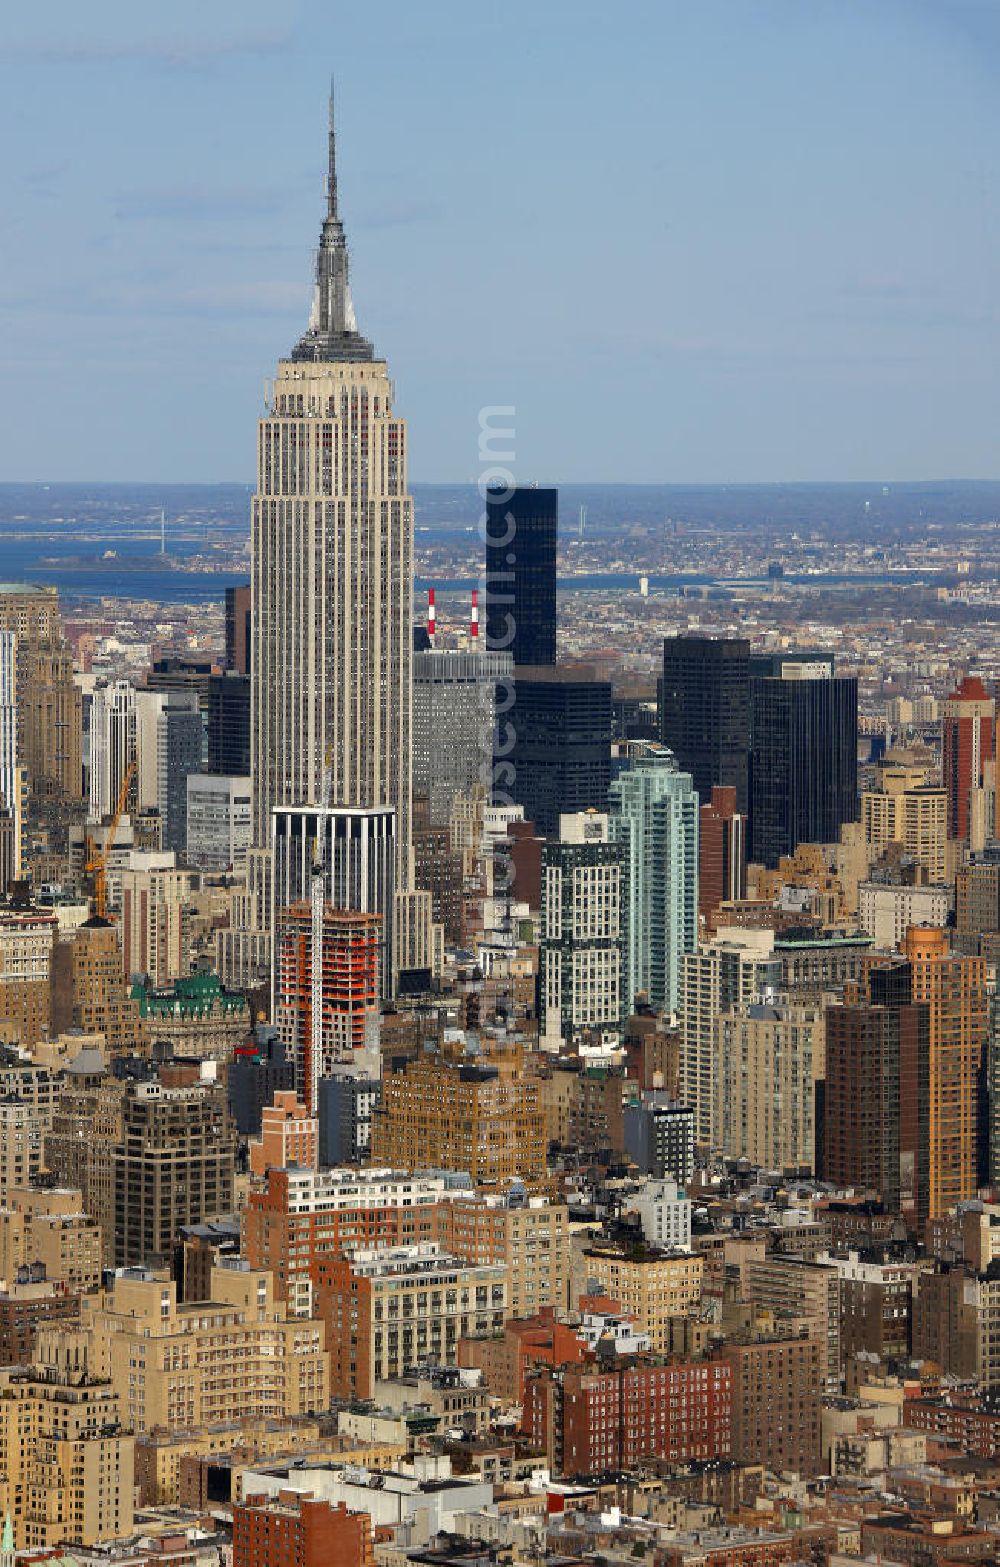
[
  {"x": 650, "y": 1287},
  {"x": 235, "y": 1357},
  {"x": 67, "y": 1469},
  {"x": 391, "y": 1309},
  {"x": 530, "y": 1236},
  {"x": 476, "y": 1113}
]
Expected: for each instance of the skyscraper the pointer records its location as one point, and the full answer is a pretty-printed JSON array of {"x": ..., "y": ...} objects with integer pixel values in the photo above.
[
  {"x": 50, "y": 703},
  {"x": 332, "y": 538},
  {"x": 553, "y": 751},
  {"x": 520, "y": 584},
  {"x": 10, "y": 773},
  {"x": 238, "y": 637},
  {"x": 705, "y": 711},
  {"x": 722, "y": 851},
  {"x": 357, "y": 850},
  {"x": 804, "y": 762},
  {"x": 954, "y": 990},
  {"x": 228, "y": 725},
  {"x": 654, "y": 815},
  {"x": 968, "y": 752},
  {"x": 877, "y": 1094},
  {"x": 351, "y": 945},
  {"x": 169, "y": 732},
  {"x": 454, "y": 715},
  {"x": 112, "y": 744}
]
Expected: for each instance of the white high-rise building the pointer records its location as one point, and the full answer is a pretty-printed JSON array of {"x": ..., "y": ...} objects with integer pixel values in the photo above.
[
  {"x": 580, "y": 950},
  {"x": 654, "y": 816},
  {"x": 734, "y": 969},
  {"x": 112, "y": 744},
  {"x": 218, "y": 822},
  {"x": 332, "y": 580}
]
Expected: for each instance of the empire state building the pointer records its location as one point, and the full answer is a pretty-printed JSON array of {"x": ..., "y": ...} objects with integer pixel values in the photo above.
[{"x": 332, "y": 538}]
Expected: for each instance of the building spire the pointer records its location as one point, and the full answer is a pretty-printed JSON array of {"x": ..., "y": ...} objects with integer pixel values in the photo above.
[
  {"x": 331, "y": 177},
  {"x": 332, "y": 333}
]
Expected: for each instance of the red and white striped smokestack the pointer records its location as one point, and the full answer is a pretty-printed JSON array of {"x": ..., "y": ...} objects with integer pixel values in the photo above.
[
  {"x": 431, "y": 617},
  {"x": 474, "y": 623}
]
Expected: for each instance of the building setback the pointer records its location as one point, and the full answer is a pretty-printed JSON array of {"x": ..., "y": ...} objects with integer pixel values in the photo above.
[{"x": 332, "y": 584}]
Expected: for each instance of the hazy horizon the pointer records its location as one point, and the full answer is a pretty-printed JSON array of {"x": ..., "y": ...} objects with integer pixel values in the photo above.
[{"x": 727, "y": 243}]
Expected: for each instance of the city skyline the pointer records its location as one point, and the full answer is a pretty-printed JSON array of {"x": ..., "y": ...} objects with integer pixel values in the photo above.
[{"x": 765, "y": 311}]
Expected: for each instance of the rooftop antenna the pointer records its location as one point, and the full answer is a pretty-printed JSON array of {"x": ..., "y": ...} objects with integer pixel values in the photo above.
[
  {"x": 163, "y": 531},
  {"x": 583, "y": 519}
]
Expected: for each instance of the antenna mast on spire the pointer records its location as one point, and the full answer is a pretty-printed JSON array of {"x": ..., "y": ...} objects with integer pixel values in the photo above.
[{"x": 331, "y": 175}]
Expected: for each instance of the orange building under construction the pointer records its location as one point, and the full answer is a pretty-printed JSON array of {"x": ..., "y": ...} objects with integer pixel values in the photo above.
[{"x": 351, "y": 946}]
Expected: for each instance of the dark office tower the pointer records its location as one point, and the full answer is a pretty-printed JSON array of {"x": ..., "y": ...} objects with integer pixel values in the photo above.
[
  {"x": 229, "y": 725},
  {"x": 877, "y": 1094},
  {"x": 804, "y": 753},
  {"x": 238, "y": 628},
  {"x": 705, "y": 711},
  {"x": 520, "y": 583},
  {"x": 559, "y": 737}
]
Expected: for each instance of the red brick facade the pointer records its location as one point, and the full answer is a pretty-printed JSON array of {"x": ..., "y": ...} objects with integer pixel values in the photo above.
[{"x": 594, "y": 1422}]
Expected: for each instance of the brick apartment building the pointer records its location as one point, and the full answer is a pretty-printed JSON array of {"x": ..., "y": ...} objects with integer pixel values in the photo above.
[{"x": 591, "y": 1421}]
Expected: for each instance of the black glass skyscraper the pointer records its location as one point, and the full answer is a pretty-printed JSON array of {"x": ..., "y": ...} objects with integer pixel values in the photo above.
[
  {"x": 520, "y": 582},
  {"x": 705, "y": 711},
  {"x": 804, "y": 753},
  {"x": 229, "y": 725},
  {"x": 559, "y": 737}
]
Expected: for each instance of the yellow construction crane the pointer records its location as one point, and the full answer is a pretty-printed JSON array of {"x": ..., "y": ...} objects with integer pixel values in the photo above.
[{"x": 97, "y": 864}]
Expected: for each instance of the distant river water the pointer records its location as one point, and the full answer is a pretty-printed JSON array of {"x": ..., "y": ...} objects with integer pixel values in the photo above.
[{"x": 19, "y": 562}]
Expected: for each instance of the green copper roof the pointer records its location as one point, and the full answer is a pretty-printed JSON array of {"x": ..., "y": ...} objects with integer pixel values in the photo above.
[{"x": 195, "y": 995}]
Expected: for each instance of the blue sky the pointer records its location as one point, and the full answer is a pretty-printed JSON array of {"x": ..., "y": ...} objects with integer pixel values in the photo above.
[{"x": 701, "y": 241}]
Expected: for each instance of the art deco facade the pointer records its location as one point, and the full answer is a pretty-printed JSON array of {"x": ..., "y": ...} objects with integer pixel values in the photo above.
[
  {"x": 50, "y": 703},
  {"x": 332, "y": 537}
]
